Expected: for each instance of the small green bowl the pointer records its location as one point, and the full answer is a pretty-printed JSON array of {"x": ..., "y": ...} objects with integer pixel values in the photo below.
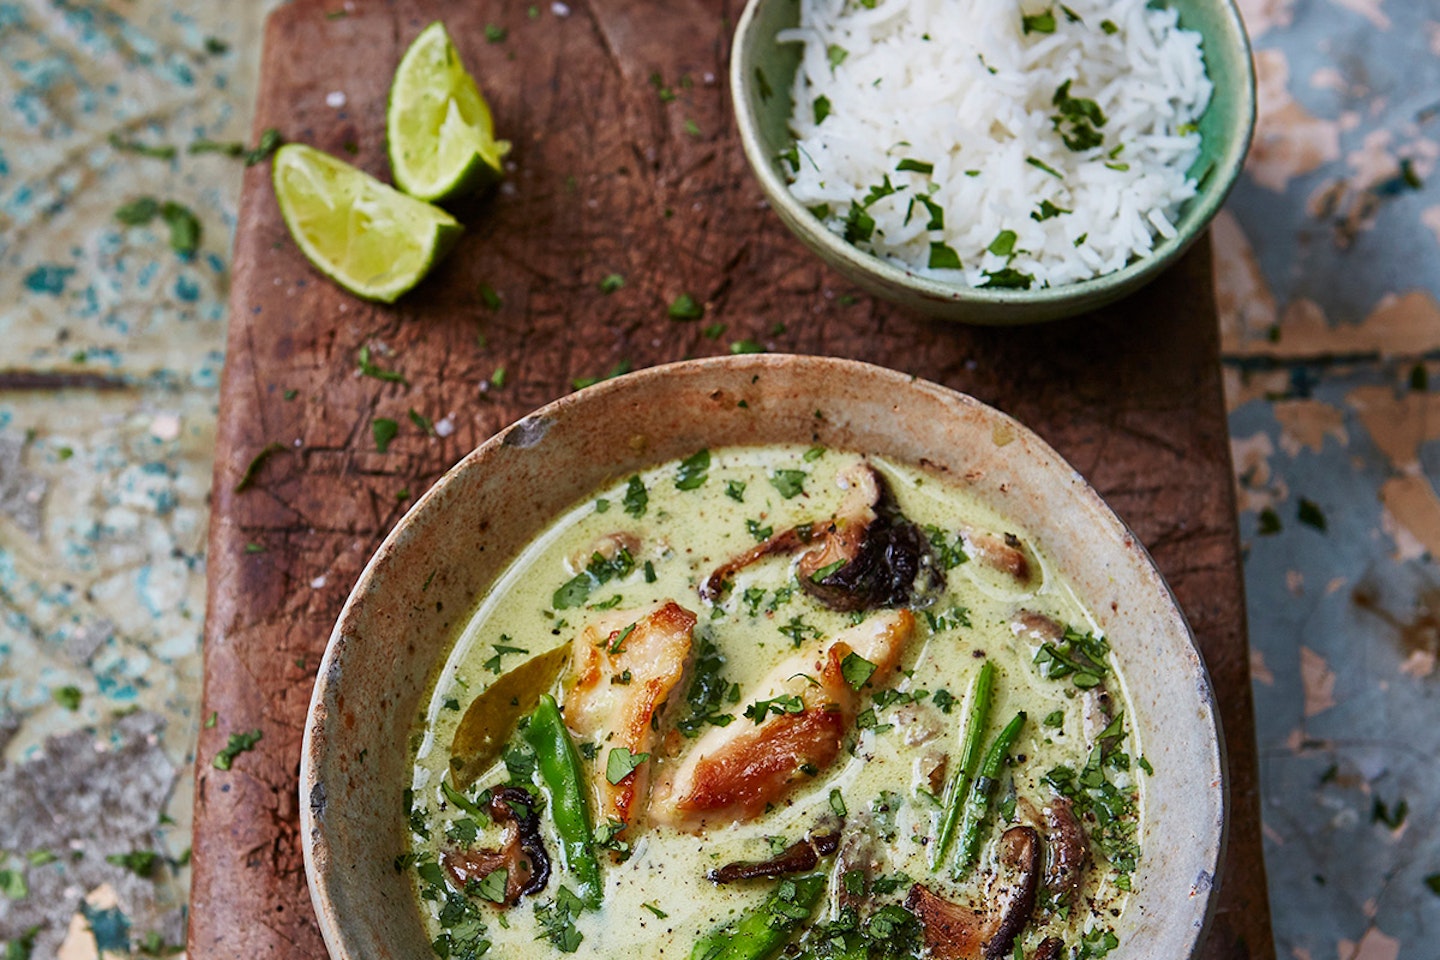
[{"x": 762, "y": 74}]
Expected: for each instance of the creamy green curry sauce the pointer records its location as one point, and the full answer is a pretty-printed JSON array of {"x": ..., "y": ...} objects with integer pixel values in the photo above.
[{"x": 658, "y": 538}]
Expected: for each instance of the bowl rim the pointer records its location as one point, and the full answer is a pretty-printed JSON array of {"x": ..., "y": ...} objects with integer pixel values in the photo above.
[
  {"x": 525, "y": 432},
  {"x": 1202, "y": 208}
]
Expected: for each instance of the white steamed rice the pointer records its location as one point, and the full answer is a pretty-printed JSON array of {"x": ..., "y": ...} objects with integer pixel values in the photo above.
[{"x": 960, "y": 85}]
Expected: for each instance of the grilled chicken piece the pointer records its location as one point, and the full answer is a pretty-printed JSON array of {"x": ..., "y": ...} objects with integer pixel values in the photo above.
[
  {"x": 731, "y": 773},
  {"x": 624, "y": 668},
  {"x": 955, "y": 932},
  {"x": 866, "y": 556}
]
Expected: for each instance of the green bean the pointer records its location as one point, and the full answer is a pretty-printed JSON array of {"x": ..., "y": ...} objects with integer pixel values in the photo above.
[
  {"x": 976, "y": 716},
  {"x": 981, "y": 791},
  {"x": 762, "y": 932},
  {"x": 564, "y": 781}
]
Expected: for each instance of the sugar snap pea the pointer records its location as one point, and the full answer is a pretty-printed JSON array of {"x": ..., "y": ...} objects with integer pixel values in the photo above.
[
  {"x": 761, "y": 933},
  {"x": 563, "y": 780}
]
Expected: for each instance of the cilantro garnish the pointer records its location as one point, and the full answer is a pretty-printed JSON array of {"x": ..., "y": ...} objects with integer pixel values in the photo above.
[
  {"x": 620, "y": 763},
  {"x": 856, "y": 670},
  {"x": 786, "y": 703},
  {"x": 789, "y": 483},
  {"x": 239, "y": 743},
  {"x": 694, "y": 471},
  {"x": 637, "y": 500}
]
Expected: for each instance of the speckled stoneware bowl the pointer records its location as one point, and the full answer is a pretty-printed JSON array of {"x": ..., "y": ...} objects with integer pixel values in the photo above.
[
  {"x": 762, "y": 74},
  {"x": 428, "y": 576}
]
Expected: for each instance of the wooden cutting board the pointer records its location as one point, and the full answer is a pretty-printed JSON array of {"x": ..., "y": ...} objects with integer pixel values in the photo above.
[{"x": 625, "y": 162}]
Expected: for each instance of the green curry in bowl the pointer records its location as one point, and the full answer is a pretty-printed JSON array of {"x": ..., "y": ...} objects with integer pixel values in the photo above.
[{"x": 766, "y": 699}]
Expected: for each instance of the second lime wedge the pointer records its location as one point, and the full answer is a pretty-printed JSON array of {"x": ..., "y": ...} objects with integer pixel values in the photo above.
[
  {"x": 438, "y": 126},
  {"x": 369, "y": 238}
]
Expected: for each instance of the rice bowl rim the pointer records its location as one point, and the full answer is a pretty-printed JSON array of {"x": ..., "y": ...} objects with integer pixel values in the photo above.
[{"x": 960, "y": 301}]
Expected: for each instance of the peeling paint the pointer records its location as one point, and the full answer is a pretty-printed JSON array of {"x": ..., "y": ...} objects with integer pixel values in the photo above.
[
  {"x": 1306, "y": 423},
  {"x": 1318, "y": 681},
  {"x": 1289, "y": 141}
]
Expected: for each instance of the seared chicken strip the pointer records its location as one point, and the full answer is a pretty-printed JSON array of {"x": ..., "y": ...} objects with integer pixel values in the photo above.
[
  {"x": 624, "y": 667},
  {"x": 733, "y": 773}
]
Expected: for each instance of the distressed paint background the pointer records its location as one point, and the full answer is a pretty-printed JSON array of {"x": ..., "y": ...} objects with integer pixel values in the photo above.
[{"x": 1327, "y": 271}]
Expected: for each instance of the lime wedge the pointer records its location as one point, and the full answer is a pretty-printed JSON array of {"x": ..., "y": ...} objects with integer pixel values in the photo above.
[
  {"x": 369, "y": 238},
  {"x": 442, "y": 140}
]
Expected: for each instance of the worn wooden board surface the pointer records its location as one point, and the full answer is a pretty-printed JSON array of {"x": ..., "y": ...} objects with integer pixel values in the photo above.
[{"x": 609, "y": 177}]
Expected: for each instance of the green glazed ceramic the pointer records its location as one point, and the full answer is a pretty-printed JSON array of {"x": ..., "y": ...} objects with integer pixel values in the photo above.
[{"x": 762, "y": 74}]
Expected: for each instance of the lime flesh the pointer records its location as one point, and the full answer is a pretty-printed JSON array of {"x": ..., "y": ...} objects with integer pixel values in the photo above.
[
  {"x": 438, "y": 125},
  {"x": 369, "y": 238}
]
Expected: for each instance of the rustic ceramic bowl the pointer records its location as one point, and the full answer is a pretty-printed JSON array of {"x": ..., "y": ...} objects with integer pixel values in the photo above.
[
  {"x": 428, "y": 576},
  {"x": 762, "y": 74}
]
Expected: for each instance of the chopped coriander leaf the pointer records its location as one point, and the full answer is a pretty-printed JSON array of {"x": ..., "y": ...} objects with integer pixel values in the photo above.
[
  {"x": 1084, "y": 117},
  {"x": 1144, "y": 764},
  {"x": 492, "y": 885},
  {"x": 856, "y": 670},
  {"x": 68, "y": 697},
  {"x": 694, "y": 471},
  {"x": 383, "y": 430},
  {"x": 859, "y": 225},
  {"x": 239, "y": 743},
  {"x": 1109, "y": 27},
  {"x": 943, "y": 257},
  {"x": 163, "y": 152},
  {"x": 620, "y": 763},
  {"x": 1045, "y": 211},
  {"x": 270, "y": 141},
  {"x": 684, "y": 308},
  {"x": 368, "y": 368},
  {"x": 1004, "y": 243},
  {"x": 497, "y": 379},
  {"x": 882, "y": 189},
  {"x": 836, "y": 54},
  {"x": 813, "y": 454},
  {"x": 1269, "y": 522},
  {"x": 837, "y": 802},
  {"x": 139, "y": 862},
  {"x": 713, "y": 331},
  {"x": 495, "y": 33},
  {"x": 253, "y": 470},
  {"x": 746, "y": 346},
  {"x": 819, "y": 575},
  {"x": 788, "y": 483},
  {"x": 944, "y": 700},
  {"x": 557, "y": 920},
  {"x": 12, "y": 884},
  {"x": 692, "y": 128},
  {"x": 489, "y": 296},
  {"x": 1039, "y": 23},
  {"x": 1070, "y": 15},
  {"x": 617, "y": 646},
  {"x": 611, "y": 283},
  {"x": 602, "y": 505},
  {"x": 948, "y": 550},
  {"x": 916, "y": 166},
  {"x": 637, "y": 500},
  {"x": 230, "y": 148},
  {"x": 1054, "y": 718},
  {"x": 215, "y": 46},
  {"x": 649, "y": 572},
  {"x": 821, "y": 108},
  {"x": 184, "y": 228},
  {"x": 138, "y": 212},
  {"x": 937, "y": 215},
  {"x": 598, "y": 572},
  {"x": 660, "y": 914},
  {"x": 786, "y": 703},
  {"x": 1008, "y": 278},
  {"x": 758, "y": 532},
  {"x": 735, "y": 490},
  {"x": 38, "y": 858},
  {"x": 799, "y": 631},
  {"x": 1041, "y": 164}
]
